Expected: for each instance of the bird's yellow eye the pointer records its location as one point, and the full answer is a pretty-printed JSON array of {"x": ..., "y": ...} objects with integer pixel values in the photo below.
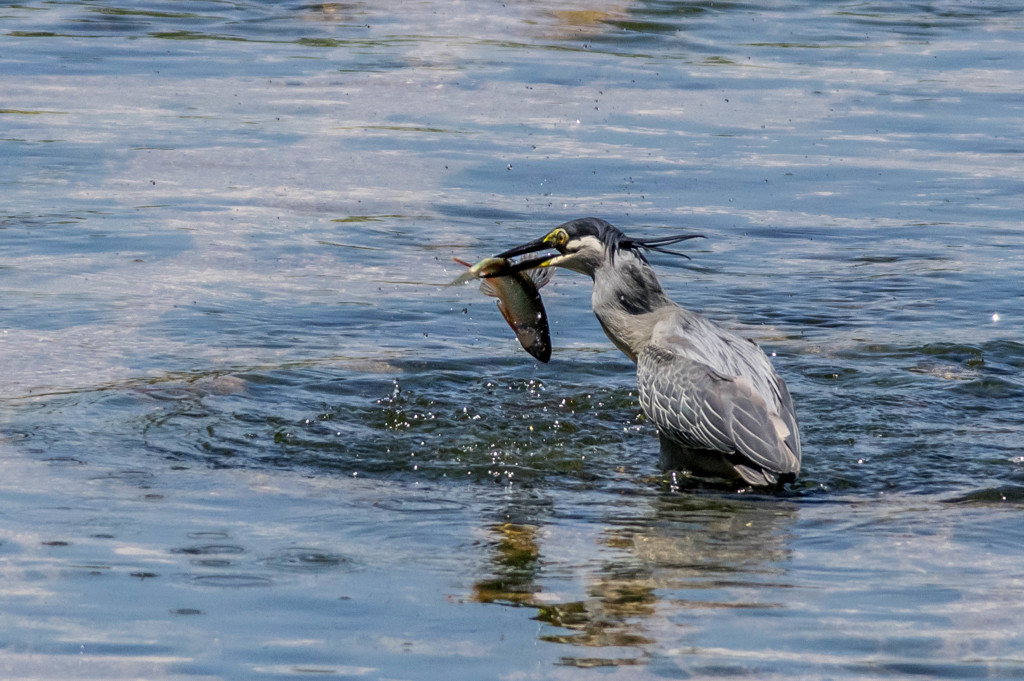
[{"x": 557, "y": 237}]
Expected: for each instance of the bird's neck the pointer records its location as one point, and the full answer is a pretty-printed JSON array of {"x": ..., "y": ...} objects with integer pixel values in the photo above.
[{"x": 628, "y": 301}]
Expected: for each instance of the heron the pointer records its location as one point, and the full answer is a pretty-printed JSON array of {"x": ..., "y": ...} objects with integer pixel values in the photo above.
[{"x": 720, "y": 408}]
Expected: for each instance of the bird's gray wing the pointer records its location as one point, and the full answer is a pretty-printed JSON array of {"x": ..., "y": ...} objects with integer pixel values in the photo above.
[
  {"x": 788, "y": 414},
  {"x": 700, "y": 408}
]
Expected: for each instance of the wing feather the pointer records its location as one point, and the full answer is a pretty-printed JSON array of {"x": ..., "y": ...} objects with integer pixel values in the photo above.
[{"x": 693, "y": 404}]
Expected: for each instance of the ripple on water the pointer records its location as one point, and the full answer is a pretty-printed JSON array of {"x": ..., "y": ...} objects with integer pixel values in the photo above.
[
  {"x": 302, "y": 559},
  {"x": 436, "y": 422},
  {"x": 232, "y": 581},
  {"x": 928, "y": 418},
  {"x": 134, "y": 476},
  {"x": 64, "y": 461},
  {"x": 427, "y": 505},
  {"x": 207, "y": 534},
  {"x": 209, "y": 549},
  {"x": 211, "y": 562},
  {"x": 1004, "y": 495}
]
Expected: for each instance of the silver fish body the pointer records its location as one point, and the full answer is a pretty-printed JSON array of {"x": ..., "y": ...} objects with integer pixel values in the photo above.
[{"x": 518, "y": 300}]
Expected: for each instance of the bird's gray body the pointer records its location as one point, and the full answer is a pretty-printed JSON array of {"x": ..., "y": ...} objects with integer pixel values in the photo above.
[
  {"x": 719, "y": 407},
  {"x": 716, "y": 400}
]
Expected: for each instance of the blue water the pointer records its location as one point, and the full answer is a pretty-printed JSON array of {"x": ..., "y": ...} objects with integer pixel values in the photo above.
[{"x": 247, "y": 433}]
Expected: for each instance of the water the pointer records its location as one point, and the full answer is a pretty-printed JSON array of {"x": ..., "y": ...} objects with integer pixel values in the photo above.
[{"x": 246, "y": 435}]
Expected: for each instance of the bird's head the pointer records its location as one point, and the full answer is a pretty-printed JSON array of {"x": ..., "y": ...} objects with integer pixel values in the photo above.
[{"x": 585, "y": 245}]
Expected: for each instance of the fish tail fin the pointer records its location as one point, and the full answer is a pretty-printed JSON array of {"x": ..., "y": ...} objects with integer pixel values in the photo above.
[{"x": 465, "y": 276}]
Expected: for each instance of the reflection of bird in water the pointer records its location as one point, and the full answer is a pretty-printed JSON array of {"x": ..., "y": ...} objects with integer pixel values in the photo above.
[
  {"x": 516, "y": 562},
  {"x": 720, "y": 408},
  {"x": 652, "y": 577}
]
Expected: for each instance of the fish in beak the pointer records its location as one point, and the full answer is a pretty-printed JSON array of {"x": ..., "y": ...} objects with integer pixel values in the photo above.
[{"x": 518, "y": 297}]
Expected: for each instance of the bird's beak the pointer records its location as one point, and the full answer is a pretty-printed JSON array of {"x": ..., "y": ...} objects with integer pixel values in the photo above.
[
  {"x": 542, "y": 244},
  {"x": 531, "y": 247}
]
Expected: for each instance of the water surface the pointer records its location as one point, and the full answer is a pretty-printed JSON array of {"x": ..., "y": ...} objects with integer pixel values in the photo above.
[{"x": 247, "y": 433}]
